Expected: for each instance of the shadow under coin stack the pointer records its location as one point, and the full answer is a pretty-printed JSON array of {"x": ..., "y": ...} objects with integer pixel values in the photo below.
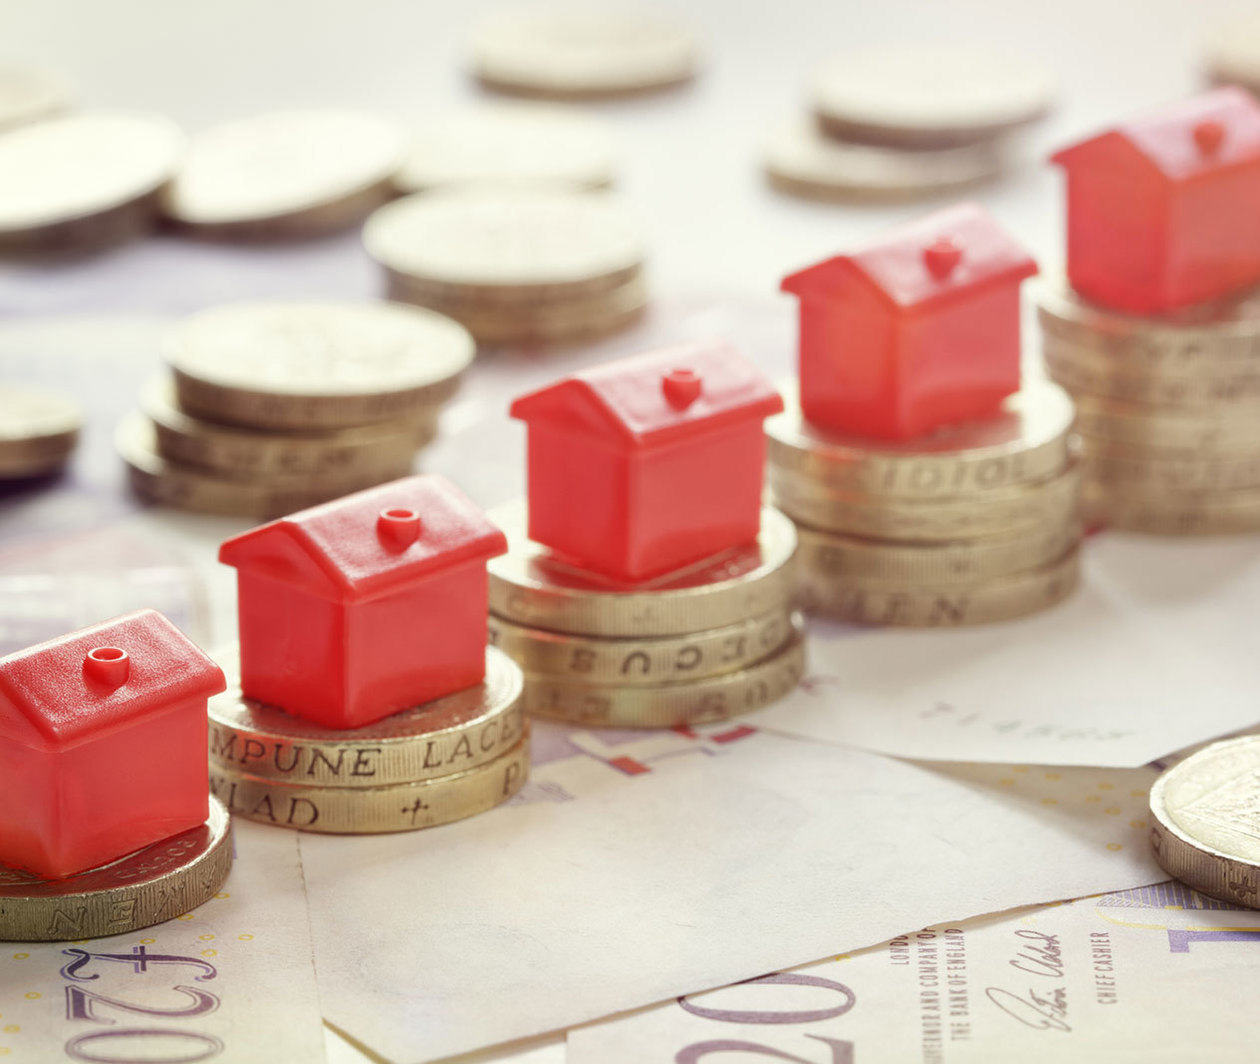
[
  {"x": 1154, "y": 339},
  {"x": 276, "y": 407},
  {"x": 916, "y": 505},
  {"x": 394, "y": 580},
  {"x": 713, "y": 634}
]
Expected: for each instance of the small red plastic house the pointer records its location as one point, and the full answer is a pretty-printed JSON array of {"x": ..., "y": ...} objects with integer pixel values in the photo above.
[
  {"x": 366, "y": 605},
  {"x": 102, "y": 744},
  {"x": 647, "y": 464},
  {"x": 917, "y": 330},
  {"x": 1164, "y": 211}
]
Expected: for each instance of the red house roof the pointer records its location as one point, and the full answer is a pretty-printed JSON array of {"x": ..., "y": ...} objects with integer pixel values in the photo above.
[
  {"x": 94, "y": 681},
  {"x": 1201, "y": 135},
  {"x": 371, "y": 542},
  {"x": 944, "y": 254},
  {"x": 657, "y": 397}
]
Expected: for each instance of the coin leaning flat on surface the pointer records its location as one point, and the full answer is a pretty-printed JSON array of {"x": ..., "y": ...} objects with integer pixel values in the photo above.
[
  {"x": 159, "y": 882},
  {"x": 315, "y": 365},
  {"x": 375, "y": 810},
  {"x": 530, "y": 588},
  {"x": 38, "y": 431},
  {"x": 508, "y": 146},
  {"x": 572, "y": 52},
  {"x": 801, "y": 160},
  {"x": 1025, "y": 441},
  {"x": 317, "y": 170},
  {"x": 1206, "y": 821},
  {"x": 28, "y": 93},
  {"x": 440, "y": 738},
  {"x": 929, "y": 95},
  {"x": 68, "y": 170}
]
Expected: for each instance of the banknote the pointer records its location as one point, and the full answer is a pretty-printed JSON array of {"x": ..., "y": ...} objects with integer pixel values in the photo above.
[
  {"x": 1154, "y": 974},
  {"x": 230, "y": 981},
  {"x": 633, "y": 868}
]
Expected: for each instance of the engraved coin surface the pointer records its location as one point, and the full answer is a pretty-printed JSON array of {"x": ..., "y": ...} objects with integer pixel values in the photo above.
[
  {"x": 1026, "y": 441},
  {"x": 512, "y": 146},
  {"x": 1159, "y": 511},
  {"x": 1206, "y": 813},
  {"x": 374, "y": 810},
  {"x": 72, "y": 167},
  {"x": 28, "y": 93},
  {"x": 38, "y": 431},
  {"x": 315, "y": 365},
  {"x": 574, "y": 52},
  {"x": 667, "y": 705},
  {"x": 1108, "y": 464},
  {"x": 284, "y": 164},
  {"x": 448, "y": 735},
  {"x": 529, "y": 587},
  {"x": 1213, "y": 431},
  {"x": 159, "y": 882},
  {"x": 929, "y": 94}
]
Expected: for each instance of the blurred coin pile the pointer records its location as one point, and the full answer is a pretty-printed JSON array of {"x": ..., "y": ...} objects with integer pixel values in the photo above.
[
  {"x": 976, "y": 522},
  {"x": 445, "y": 760},
  {"x": 514, "y": 266},
  {"x": 274, "y": 407},
  {"x": 907, "y": 121},
  {"x": 38, "y": 432},
  {"x": 1168, "y": 411},
  {"x": 702, "y": 644}
]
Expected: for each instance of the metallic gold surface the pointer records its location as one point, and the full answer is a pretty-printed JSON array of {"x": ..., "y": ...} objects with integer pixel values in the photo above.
[
  {"x": 1129, "y": 468},
  {"x": 1176, "y": 513},
  {"x": 1217, "y": 430}
]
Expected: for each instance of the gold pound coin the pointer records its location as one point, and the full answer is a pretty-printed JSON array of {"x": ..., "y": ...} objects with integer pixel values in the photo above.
[
  {"x": 461, "y": 731},
  {"x": 159, "y": 882},
  {"x": 1107, "y": 464},
  {"x": 1025, "y": 441},
  {"x": 529, "y": 587},
  {"x": 38, "y": 432},
  {"x": 1159, "y": 430},
  {"x": 374, "y": 810},
  {"x": 716, "y": 698},
  {"x": 1175, "y": 513}
]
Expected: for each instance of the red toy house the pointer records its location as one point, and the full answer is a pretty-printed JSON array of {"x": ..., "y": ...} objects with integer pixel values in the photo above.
[
  {"x": 102, "y": 744},
  {"x": 1164, "y": 211},
  {"x": 650, "y": 463},
  {"x": 916, "y": 331},
  {"x": 361, "y": 607}
]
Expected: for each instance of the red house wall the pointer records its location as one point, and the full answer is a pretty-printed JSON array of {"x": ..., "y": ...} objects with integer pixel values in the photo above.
[{"x": 1215, "y": 236}]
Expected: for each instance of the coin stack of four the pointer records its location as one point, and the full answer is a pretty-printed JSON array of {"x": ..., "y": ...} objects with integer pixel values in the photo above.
[{"x": 976, "y": 522}]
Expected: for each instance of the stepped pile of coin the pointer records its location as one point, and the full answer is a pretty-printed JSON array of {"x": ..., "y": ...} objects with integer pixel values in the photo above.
[
  {"x": 703, "y": 644},
  {"x": 975, "y": 523},
  {"x": 274, "y": 407},
  {"x": 1168, "y": 411},
  {"x": 514, "y": 266},
  {"x": 445, "y": 760},
  {"x": 38, "y": 432}
]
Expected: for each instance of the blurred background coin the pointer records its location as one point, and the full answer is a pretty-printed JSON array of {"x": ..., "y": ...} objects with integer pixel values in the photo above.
[
  {"x": 38, "y": 431},
  {"x": 28, "y": 93}
]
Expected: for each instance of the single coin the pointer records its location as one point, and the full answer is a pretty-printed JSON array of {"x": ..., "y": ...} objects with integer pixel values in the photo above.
[
  {"x": 505, "y": 145},
  {"x": 285, "y": 173},
  {"x": 1025, "y": 441},
  {"x": 1160, "y": 511},
  {"x": 315, "y": 365},
  {"x": 160, "y": 480},
  {"x": 1233, "y": 52},
  {"x": 447, "y": 735},
  {"x": 60, "y": 176},
  {"x": 529, "y": 587},
  {"x": 574, "y": 52},
  {"x": 245, "y": 454},
  {"x": 801, "y": 160},
  {"x": 1204, "y": 815},
  {"x": 373, "y": 810},
  {"x": 532, "y": 241},
  {"x": 834, "y": 556},
  {"x": 994, "y": 512},
  {"x": 635, "y": 662},
  {"x": 159, "y": 882},
  {"x": 915, "y": 605},
  {"x": 1106, "y": 463},
  {"x": 38, "y": 431},
  {"x": 27, "y": 93},
  {"x": 615, "y": 705},
  {"x": 1158, "y": 430},
  {"x": 929, "y": 95}
]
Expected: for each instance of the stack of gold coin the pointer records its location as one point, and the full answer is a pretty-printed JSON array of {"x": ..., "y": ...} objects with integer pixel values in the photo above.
[
  {"x": 975, "y": 523},
  {"x": 514, "y": 266},
  {"x": 38, "y": 432},
  {"x": 445, "y": 760},
  {"x": 1168, "y": 411},
  {"x": 702, "y": 644},
  {"x": 272, "y": 407}
]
